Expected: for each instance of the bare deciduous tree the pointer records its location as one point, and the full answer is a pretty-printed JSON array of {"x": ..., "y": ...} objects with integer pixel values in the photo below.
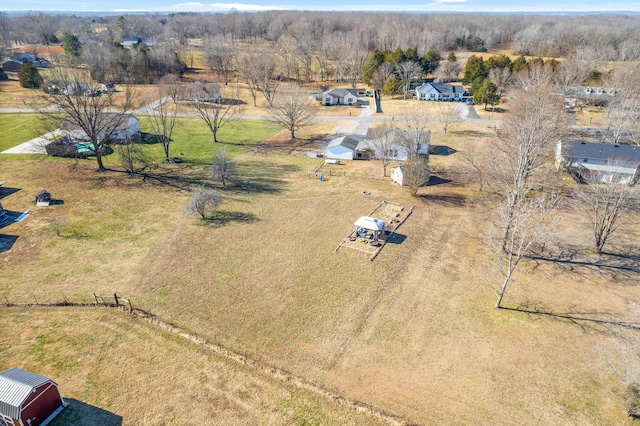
[
  {"x": 380, "y": 76},
  {"x": 501, "y": 77},
  {"x": 528, "y": 223},
  {"x": 533, "y": 125},
  {"x": 258, "y": 69},
  {"x": 605, "y": 205},
  {"x": 416, "y": 173},
  {"x": 624, "y": 360},
  {"x": 447, "y": 115},
  {"x": 416, "y": 134},
  {"x": 217, "y": 111},
  {"x": 520, "y": 158},
  {"x": 622, "y": 117},
  {"x": 132, "y": 156},
  {"x": 221, "y": 58},
  {"x": 408, "y": 71},
  {"x": 291, "y": 109},
  {"x": 162, "y": 118},
  {"x": 384, "y": 146},
  {"x": 90, "y": 117},
  {"x": 448, "y": 70},
  {"x": 203, "y": 202},
  {"x": 223, "y": 168}
]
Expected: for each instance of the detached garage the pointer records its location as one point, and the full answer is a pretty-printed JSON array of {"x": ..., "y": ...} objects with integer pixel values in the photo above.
[
  {"x": 342, "y": 148},
  {"x": 28, "y": 399}
]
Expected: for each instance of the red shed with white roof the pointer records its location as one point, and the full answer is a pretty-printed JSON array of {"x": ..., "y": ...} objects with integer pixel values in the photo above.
[{"x": 28, "y": 399}]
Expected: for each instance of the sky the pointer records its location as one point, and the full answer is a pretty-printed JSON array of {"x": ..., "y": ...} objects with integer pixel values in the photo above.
[{"x": 322, "y": 5}]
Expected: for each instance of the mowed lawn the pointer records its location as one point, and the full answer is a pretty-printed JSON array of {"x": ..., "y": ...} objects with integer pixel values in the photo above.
[{"x": 413, "y": 333}]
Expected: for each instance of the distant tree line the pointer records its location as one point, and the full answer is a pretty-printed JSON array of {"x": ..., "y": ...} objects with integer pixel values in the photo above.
[{"x": 599, "y": 37}]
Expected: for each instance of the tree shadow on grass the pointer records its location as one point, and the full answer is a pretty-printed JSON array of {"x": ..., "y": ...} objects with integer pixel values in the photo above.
[
  {"x": 6, "y": 191},
  {"x": 150, "y": 138},
  {"x": 262, "y": 177},
  {"x": 396, "y": 238},
  {"x": 441, "y": 150},
  {"x": 79, "y": 413},
  {"x": 444, "y": 200},
  {"x": 6, "y": 242},
  {"x": 437, "y": 180},
  {"x": 223, "y": 217},
  {"x": 12, "y": 217},
  {"x": 584, "y": 320},
  {"x": 475, "y": 133},
  {"x": 614, "y": 267},
  {"x": 183, "y": 177}
]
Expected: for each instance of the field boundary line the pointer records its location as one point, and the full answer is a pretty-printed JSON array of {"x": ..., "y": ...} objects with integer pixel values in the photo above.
[{"x": 273, "y": 372}]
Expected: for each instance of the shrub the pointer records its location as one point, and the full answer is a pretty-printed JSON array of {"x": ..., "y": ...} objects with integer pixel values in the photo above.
[{"x": 203, "y": 202}]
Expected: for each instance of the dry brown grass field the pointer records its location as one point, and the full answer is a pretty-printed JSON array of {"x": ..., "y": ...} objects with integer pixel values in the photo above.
[
  {"x": 114, "y": 370},
  {"x": 413, "y": 333}
]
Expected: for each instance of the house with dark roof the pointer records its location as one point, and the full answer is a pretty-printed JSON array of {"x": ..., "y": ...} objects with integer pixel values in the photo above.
[
  {"x": 439, "y": 92},
  {"x": 582, "y": 96},
  {"x": 599, "y": 162},
  {"x": 28, "y": 399},
  {"x": 339, "y": 97}
]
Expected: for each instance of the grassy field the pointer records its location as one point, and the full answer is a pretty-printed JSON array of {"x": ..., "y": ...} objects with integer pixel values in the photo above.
[
  {"x": 104, "y": 374},
  {"x": 413, "y": 333}
]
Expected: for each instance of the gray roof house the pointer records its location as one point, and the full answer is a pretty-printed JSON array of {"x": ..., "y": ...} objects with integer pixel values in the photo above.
[
  {"x": 599, "y": 162},
  {"x": 400, "y": 141},
  {"x": 339, "y": 97},
  {"x": 588, "y": 95},
  {"x": 439, "y": 92}
]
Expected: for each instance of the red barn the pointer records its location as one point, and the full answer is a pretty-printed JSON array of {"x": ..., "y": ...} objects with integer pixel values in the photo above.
[{"x": 28, "y": 399}]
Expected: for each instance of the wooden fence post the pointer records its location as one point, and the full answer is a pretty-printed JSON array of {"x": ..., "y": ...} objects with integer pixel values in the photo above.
[{"x": 115, "y": 296}]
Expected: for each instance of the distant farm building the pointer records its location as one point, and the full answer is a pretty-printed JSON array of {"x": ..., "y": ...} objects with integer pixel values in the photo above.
[{"x": 28, "y": 399}]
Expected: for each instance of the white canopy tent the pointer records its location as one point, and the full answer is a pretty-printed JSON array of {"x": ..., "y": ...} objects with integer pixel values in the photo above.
[{"x": 365, "y": 224}]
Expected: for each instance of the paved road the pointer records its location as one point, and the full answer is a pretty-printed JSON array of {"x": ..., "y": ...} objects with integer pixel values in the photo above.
[{"x": 355, "y": 126}]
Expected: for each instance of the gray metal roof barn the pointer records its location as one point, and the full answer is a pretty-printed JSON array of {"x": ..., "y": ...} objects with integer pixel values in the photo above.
[{"x": 28, "y": 399}]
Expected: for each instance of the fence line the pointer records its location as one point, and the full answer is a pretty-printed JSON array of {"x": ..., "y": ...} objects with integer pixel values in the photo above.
[{"x": 124, "y": 305}]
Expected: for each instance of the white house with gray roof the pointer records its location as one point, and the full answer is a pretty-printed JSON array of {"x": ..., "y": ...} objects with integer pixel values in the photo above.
[
  {"x": 599, "y": 162},
  {"x": 339, "y": 97},
  {"x": 439, "y": 92}
]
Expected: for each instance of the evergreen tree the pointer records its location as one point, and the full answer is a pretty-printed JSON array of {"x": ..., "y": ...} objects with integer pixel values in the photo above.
[
  {"x": 486, "y": 94},
  {"x": 71, "y": 45},
  {"x": 499, "y": 61},
  {"x": 519, "y": 64},
  {"x": 29, "y": 76},
  {"x": 475, "y": 71},
  {"x": 3, "y": 75},
  {"x": 430, "y": 61}
]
